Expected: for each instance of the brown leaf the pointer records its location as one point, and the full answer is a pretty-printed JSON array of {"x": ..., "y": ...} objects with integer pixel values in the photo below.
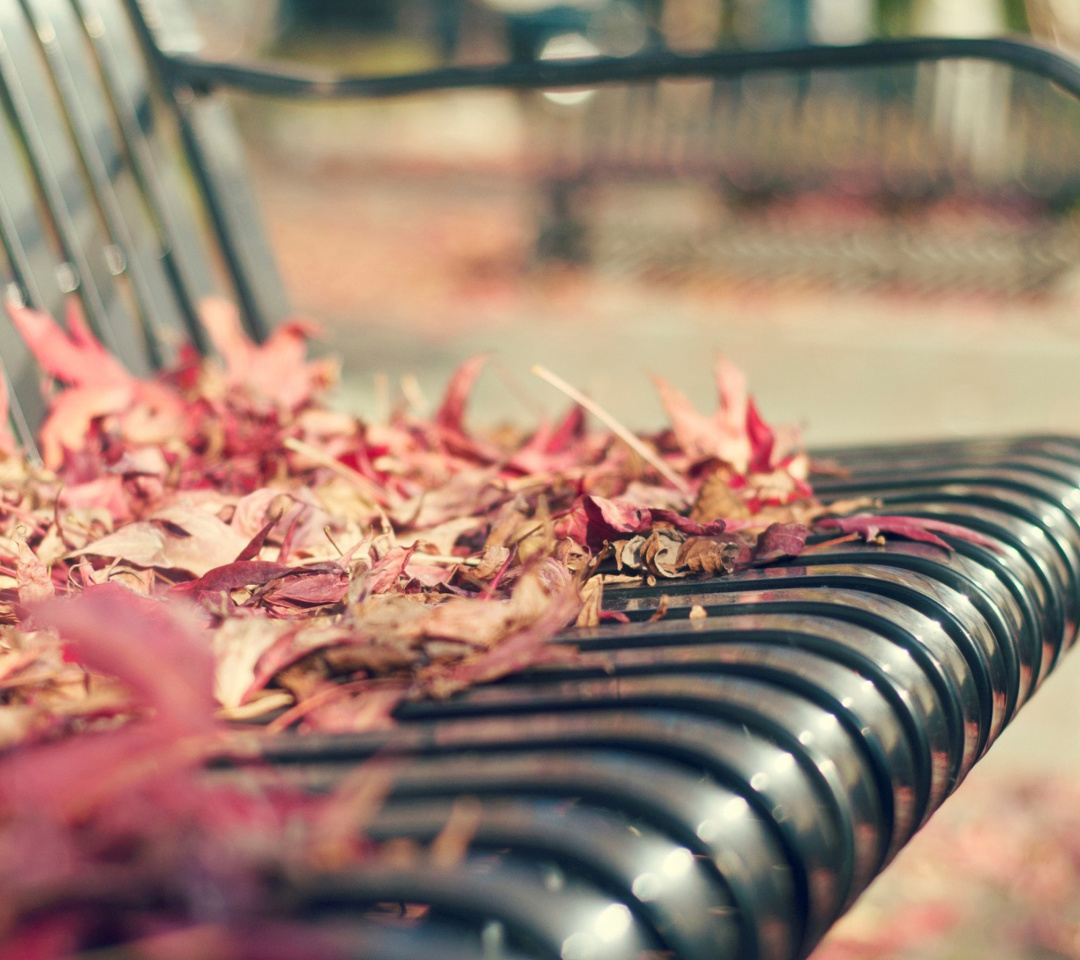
[
  {"x": 177, "y": 538},
  {"x": 715, "y": 555},
  {"x": 238, "y": 644},
  {"x": 592, "y": 596},
  {"x": 661, "y": 608},
  {"x": 491, "y": 562},
  {"x": 661, "y": 551},
  {"x": 33, "y": 577},
  {"x": 444, "y": 535},
  {"x": 717, "y": 501}
]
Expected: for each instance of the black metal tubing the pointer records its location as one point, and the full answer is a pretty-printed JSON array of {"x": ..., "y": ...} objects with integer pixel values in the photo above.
[{"x": 267, "y": 80}]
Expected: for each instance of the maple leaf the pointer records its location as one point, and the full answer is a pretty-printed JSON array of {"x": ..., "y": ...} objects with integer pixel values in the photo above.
[
  {"x": 75, "y": 356},
  {"x": 721, "y": 554},
  {"x": 725, "y": 435},
  {"x": 33, "y": 577},
  {"x": 277, "y": 370},
  {"x": 594, "y": 521},
  {"x": 99, "y": 386},
  {"x": 451, "y": 413}
]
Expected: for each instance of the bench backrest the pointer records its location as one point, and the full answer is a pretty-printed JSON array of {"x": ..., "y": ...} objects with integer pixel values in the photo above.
[
  {"x": 123, "y": 180},
  {"x": 132, "y": 196}
]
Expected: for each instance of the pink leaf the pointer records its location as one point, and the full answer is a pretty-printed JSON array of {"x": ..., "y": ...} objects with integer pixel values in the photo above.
[
  {"x": 914, "y": 528},
  {"x": 75, "y": 357},
  {"x": 221, "y": 321},
  {"x": 725, "y": 434},
  {"x": 385, "y": 573},
  {"x": 154, "y": 647},
  {"x": 451, "y": 413},
  {"x": 276, "y": 370},
  {"x": 733, "y": 395}
]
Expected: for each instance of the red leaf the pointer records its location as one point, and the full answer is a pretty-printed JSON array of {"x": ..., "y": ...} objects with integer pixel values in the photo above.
[
  {"x": 451, "y": 413},
  {"x": 762, "y": 440},
  {"x": 314, "y": 588},
  {"x": 384, "y": 574},
  {"x": 594, "y": 520},
  {"x": 255, "y": 544},
  {"x": 572, "y": 428},
  {"x": 780, "y": 540},
  {"x": 609, "y": 518},
  {"x": 231, "y": 576}
]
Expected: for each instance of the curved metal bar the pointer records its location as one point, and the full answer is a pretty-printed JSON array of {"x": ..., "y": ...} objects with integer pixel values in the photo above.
[{"x": 269, "y": 80}]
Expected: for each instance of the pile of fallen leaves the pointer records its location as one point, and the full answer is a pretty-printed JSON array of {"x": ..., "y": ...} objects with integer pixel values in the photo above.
[
  {"x": 215, "y": 543},
  {"x": 338, "y": 566}
]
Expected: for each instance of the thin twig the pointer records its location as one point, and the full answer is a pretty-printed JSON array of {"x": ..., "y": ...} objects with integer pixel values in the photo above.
[
  {"x": 414, "y": 396},
  {"x": 633, "y": 442},
  {"x": 325, "y": 460},
  {"x": 382, "y": 398},
  {"x": 437, "y": 559}
]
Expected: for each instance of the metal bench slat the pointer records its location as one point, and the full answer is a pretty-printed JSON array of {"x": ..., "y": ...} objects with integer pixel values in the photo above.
[
  {"x": 127, "y": 77},
  {"x": 57, "y": 169},
  {"x": 216, "y": 154},
  {"x": 86, "y": 106}
]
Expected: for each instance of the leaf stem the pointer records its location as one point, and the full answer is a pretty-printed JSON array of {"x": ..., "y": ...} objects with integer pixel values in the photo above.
[
  {"x": 633, "y": 442},
  {"x": 325, "y": 460}
]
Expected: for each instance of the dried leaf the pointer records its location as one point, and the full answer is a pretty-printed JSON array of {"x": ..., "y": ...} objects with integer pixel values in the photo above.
[
  {"x": 33, "y": 577},
  {"x": 493, "y": 559},
  {"x": 177, "y": 538},
  {"x": 717, "y": 555},
  {"x": 922, "y": 529},
  {"x": 716, "y": 500},
  {"x": 780, "y": 540},
  {"x": 592, "y": 597},
  {"x": 451, "y": 413},
  {"x": 237, "y": 645}
]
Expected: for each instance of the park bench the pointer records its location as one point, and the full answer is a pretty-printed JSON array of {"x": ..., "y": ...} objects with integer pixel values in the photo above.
[{"x": 733, "y": 782}]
